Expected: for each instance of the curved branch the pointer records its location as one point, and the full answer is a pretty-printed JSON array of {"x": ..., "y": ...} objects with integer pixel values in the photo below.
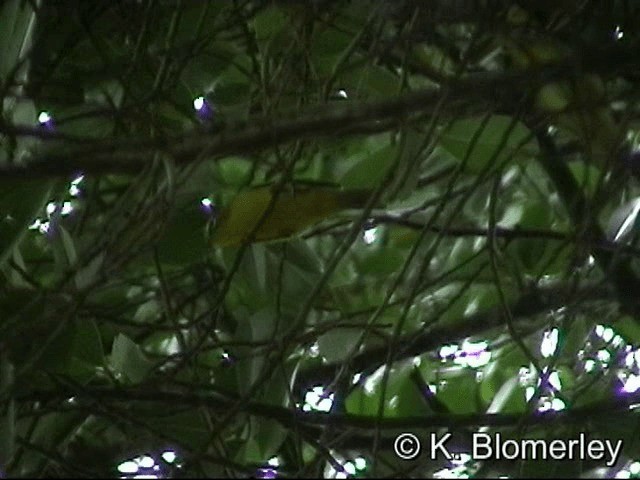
[
  {"x": 418, "y": 343},
  {"x": 131, "y": 155},
  {"x": 289, "y": 417}
]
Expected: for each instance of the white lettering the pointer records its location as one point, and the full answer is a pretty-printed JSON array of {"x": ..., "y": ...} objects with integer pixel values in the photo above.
[
  {"x": 558, "y": 450},
  {"x": 487, "y": 446},
  {"x": 505, "y": 453},
  {"x": 595, "y": 450},
  {"x": 477, "y": 437},
  {"x": 613, "y": 453},
  {"x": 535, "y": 446},
  {"x": 438, "y": 444}
]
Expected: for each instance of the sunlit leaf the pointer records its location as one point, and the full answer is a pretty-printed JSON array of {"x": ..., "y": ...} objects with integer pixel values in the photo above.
[{"x": 128, "y": 359}]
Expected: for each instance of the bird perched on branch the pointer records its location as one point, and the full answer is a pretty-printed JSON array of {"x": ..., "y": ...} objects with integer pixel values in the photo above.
[{"x": 263, "y": 214}]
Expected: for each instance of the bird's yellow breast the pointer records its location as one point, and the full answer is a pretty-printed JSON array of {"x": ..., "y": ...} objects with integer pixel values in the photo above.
[{"x": 279, "y": 215}]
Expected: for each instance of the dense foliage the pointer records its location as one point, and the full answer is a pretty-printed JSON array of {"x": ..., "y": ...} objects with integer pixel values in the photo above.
[{"x": 488, "y": 282}]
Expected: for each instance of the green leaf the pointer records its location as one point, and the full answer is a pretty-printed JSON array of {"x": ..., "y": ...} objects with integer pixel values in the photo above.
[
  {"x": 412, "y": 145},
  {"x": 198, "y": 75},
  {"x": 369, "y": 169},
  {"x": 167, "y": 115},
  {"x": 189, "y": 428},
  {"x": 458, "y": 393},
  {"x": 20, "y": 202},
  {"x": 434, "y": 59},
  {"x": 533, "y": 254},
  {"x": 484, "y": 143},
  {"x": 266, "y": 438},
  {"x": 572, "y": 338},
  {"x": 55, "y": 352},
  {"x": 258, "y": 264},
  {"x": 402, "y": 397},
  {"x": 17, "y": 25},
  {"x": 128, "y": 359},
  {"x": 88, "y": 274},
  {"x": 266, "y": 434},
  {"x": 229, "y": 92},
  {"x": 233, "y": 171},
  {"x": 587, "y": 175},
  {"x": 271, "y": 25},
  {"x": 148, "y": 312},
  {"x": 369, "y": 81},
  {"x": 302, "y": 258},
  {"x": 473, "y": 299},
  {"x": 8, "y": 415},
  {"x": 629, "y": 329},
  {"x": 24, "y": 113},
  {"x": 338, "y": 343},
  {"x": 87, "y": 344},
  {"x": 257, "y": 327},
  {"x": 183, "y": 241},
  {"x": 327, "y": 47},
  {"x": 68, "y": 246},
  {"x": 7, "y": 432},
  {"x": 504, "y": 367},
  {"x": 509, "y": 398},
  {"x": 196, "y": 19},
  {"x": 381, "y": 262},
  {"x": 465, "y": 254},
  {"x": 84, "y": 121},
  {"x": 356, "y": 155},
  {"x": 50, "y": 432},
  {"x": 107, "y": 94}
]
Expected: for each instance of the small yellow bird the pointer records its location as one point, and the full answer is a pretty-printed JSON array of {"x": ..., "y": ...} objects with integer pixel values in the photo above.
[{"x": 292, "y": 211}]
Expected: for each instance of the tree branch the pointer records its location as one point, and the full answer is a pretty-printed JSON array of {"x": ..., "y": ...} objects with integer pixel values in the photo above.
[
  {"x": 131, "y": 155},
  {"x": 311, "y": 421},
  {"x": 418, "y": 343}
]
